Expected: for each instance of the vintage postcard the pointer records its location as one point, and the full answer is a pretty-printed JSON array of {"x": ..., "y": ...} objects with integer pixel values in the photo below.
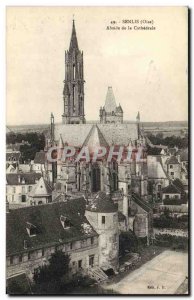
[{"x": 97, "y": 151}]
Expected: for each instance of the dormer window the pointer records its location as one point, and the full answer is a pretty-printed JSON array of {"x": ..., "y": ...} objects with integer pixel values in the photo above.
[
  {"x": 31, "y": 229},
  {"x": 65, "y": 222}
]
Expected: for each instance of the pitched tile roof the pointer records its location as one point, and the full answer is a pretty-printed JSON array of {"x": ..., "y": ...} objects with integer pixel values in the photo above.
[
  {"x": 171, "y": 189},
  {"x": 41, "y": 189},
  {"x": 118, "y": 134},
  {"x": 46, "y": 218},
  {"x": 155, "y": 167},
  {"x": 40, "y": 157},
  {"x": 121, "y": 216},
  {"x": 179, "y": 185},
  {"x": 95, "y": 138},
  {"x": 172, "y": 160},
  {"x": 102, "y": 203},
  {"x": 16, "y": 179}
]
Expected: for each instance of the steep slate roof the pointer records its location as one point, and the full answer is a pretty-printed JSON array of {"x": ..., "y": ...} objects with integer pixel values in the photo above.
[
  {"x": 144, "y": 205},
  {"x": 179, "y": 185},
  {"x": 95, "y": 138},
  {"x": 41, "y": 189},
  {"x": 30, "y": 178},
  {"x": 172, "y": 160},
  {"x": 118, "y": 134},
  {"x": 155, "y": 168},
  {"x": 102, "y": 203},
  {"x": 40, "y": 157},
  {"x": 121, "y": 216},
  {"x": 46, "y": 218},
  {"x": 171, "y": 189},
  {"x": 110, "y": 103}
]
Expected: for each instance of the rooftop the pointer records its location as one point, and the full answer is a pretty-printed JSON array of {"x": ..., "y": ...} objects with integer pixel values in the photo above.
[
  {"x": 39, "y": 157},
  {"x": 95, "y": 138},
  {"x": 22, "y": 178},
  {"x": 141, "y": 202},
  {"x": 172, "y": 160},
  {"x": 46, "y": 218},
  {"x": 117, "y": 134},
  {"x": 171, "y": 189},
  {"x": 41, "y": 189},
  {"x": 102, "y": 203}
]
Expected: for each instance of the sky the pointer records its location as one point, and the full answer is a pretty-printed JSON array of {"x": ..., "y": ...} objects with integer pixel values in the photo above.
[{"x": 147, "y": 69}]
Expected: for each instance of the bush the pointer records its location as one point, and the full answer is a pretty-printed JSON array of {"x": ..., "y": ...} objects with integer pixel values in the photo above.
[
  {"x": 175, "y": 201},
  {"x": 173, "y": 241},
  {"x": 127, "y": 241},
  {"x": 166, "y": 221}
]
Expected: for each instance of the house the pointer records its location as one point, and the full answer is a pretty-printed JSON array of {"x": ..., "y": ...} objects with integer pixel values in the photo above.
[
  {"x": 38, "y": 165},
  {"x": 18, "y": 187},
  {"x": 41, "y": 193},
  {"x": 157, "y": 176},
  {"x": 174, "y": 193},
  {"x": 173, "y": 167},
  {"x": 35, "y": 232},
  {"x": 171, "y": 192},
  {"x": 13, "y": 158}
]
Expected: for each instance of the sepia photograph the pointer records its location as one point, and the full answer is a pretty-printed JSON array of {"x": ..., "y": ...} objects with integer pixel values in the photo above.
[{"x": 97, "y": 141}]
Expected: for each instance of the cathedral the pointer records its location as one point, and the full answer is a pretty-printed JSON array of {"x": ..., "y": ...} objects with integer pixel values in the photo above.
[{"x": 125, "y": 183}]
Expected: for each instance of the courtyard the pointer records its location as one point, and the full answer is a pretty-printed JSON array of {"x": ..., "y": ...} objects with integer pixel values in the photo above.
[{"x": 164, "y": 274}]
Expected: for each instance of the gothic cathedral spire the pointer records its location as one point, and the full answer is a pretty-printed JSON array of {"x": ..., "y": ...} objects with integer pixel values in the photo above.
[{"x": 73, "y": 92}]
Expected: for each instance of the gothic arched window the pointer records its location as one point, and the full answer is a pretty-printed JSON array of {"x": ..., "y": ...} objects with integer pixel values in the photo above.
[{"x": 73, "y": 71}]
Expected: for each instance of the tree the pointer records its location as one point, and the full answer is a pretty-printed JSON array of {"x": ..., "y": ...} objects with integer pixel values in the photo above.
[
  {"x": 127, "y": 241},
  {"x": 58, "y": 266}
]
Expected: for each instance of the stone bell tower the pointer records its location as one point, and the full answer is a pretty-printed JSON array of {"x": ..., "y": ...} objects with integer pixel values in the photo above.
[{"x": 73, "y": 92}]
